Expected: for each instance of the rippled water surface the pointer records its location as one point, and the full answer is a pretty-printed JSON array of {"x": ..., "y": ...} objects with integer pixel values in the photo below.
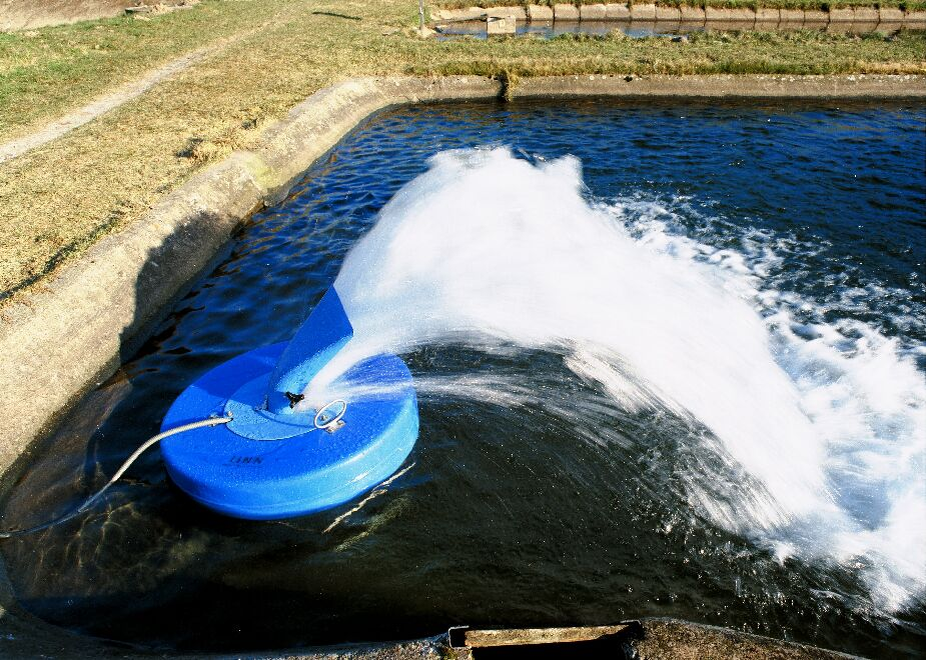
[{"x": 512, "y": 516}]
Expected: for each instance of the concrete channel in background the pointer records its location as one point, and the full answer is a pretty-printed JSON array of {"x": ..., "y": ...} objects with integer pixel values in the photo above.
[
  {"x": 75, "y": 332},
  {"x": 649, "y": 19},
  {"x": 716, "y": 18}
]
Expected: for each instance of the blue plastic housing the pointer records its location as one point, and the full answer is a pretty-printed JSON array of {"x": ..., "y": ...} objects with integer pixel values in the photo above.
[
  {"x": 324, "y": 333},
  {"x": 305, "y": 472},
  {"x": 272, "y": 460}
]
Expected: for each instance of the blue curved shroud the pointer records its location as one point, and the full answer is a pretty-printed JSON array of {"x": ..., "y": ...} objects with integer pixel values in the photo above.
[
  {"x": 274, "y": 463},
  {"x": 325, "y": 332}
]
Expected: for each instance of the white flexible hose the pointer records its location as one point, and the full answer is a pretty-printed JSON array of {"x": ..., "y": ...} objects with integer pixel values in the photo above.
[{"x": 212, "y": 421}]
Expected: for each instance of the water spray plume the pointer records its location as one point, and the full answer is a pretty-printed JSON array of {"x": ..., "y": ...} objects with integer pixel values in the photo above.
[{"x": 487, "y": 250}]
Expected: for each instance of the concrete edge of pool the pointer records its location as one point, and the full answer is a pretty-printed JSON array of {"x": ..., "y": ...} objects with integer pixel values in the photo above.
[
  {"x": 645, "y": 639},
  {"x": 75, "y": 332}
]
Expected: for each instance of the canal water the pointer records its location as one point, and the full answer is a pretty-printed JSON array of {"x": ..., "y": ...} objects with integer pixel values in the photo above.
[{"x": 552, "y": 485}]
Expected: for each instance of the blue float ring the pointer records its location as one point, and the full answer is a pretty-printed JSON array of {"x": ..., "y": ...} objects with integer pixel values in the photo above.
[{"x": 264, "y": 466}]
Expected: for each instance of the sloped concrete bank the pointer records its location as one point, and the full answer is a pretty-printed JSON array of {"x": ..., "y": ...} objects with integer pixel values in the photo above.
[{"x": 75, "y": 332}]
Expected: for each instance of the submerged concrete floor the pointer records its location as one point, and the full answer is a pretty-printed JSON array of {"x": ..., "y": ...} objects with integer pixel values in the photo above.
[
  {"x": 23, "y": 635},
  {"x": 680, "y": 640},
  {"x": 648, "y": 639}
]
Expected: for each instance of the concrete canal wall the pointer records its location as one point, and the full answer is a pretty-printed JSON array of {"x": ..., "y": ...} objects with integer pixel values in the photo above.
[
  {"x": 741, "y": 18},
  {"x": 76, "y": 331}
]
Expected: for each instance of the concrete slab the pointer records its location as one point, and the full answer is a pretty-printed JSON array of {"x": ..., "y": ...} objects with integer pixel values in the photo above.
[
  {"x": 725, "y": 86},
  {"x": 767, "y": 19},
  {"x": 617, "y": 12},
  {"x": 665, "y": 639},
  {"x": 593, "y": 12},
  {"x": 501, "y": 25},
  {"x": 539, "y": 13},
  {"x": 866, "y": 15},
  {"x": 814, "y": 18},
  {"x": 745, "y": 16},
  {"x": 564, "y": 12},
  {"x": 890, "y": 15},
  {"x": 467, "y": 14},
  {"x": 515, "y": 13},
  {"x": 666, "y": 13},
  {"x": 535, "y": 636},
  {"x": 842, "y": 15},
  {"x": 642, "y": 12},
  {"x": 692, "y": 14}
]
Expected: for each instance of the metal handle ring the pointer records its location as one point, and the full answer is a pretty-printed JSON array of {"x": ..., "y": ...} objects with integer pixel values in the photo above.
[{"x": 333, "y": 422}]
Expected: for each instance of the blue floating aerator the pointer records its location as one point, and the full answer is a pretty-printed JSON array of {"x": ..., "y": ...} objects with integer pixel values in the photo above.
[{"x": 274, "y": 460}]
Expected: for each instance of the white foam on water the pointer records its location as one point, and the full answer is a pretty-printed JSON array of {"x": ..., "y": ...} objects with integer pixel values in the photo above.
[
  {"x": 826, "y": 421},
  {"x": 865, "y": 398}
]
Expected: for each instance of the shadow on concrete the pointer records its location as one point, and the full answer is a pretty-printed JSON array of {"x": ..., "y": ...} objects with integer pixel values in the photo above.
[{"x": 22, "y": 634}]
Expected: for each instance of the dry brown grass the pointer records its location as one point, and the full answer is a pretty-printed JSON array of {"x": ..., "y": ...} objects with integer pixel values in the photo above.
[
  {"x": 59, "y": 199},
  {"x": 45, "y": 71}
]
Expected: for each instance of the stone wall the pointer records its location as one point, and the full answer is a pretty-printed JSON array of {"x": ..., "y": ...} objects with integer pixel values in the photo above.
[{"x": 763, "y": 18}]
